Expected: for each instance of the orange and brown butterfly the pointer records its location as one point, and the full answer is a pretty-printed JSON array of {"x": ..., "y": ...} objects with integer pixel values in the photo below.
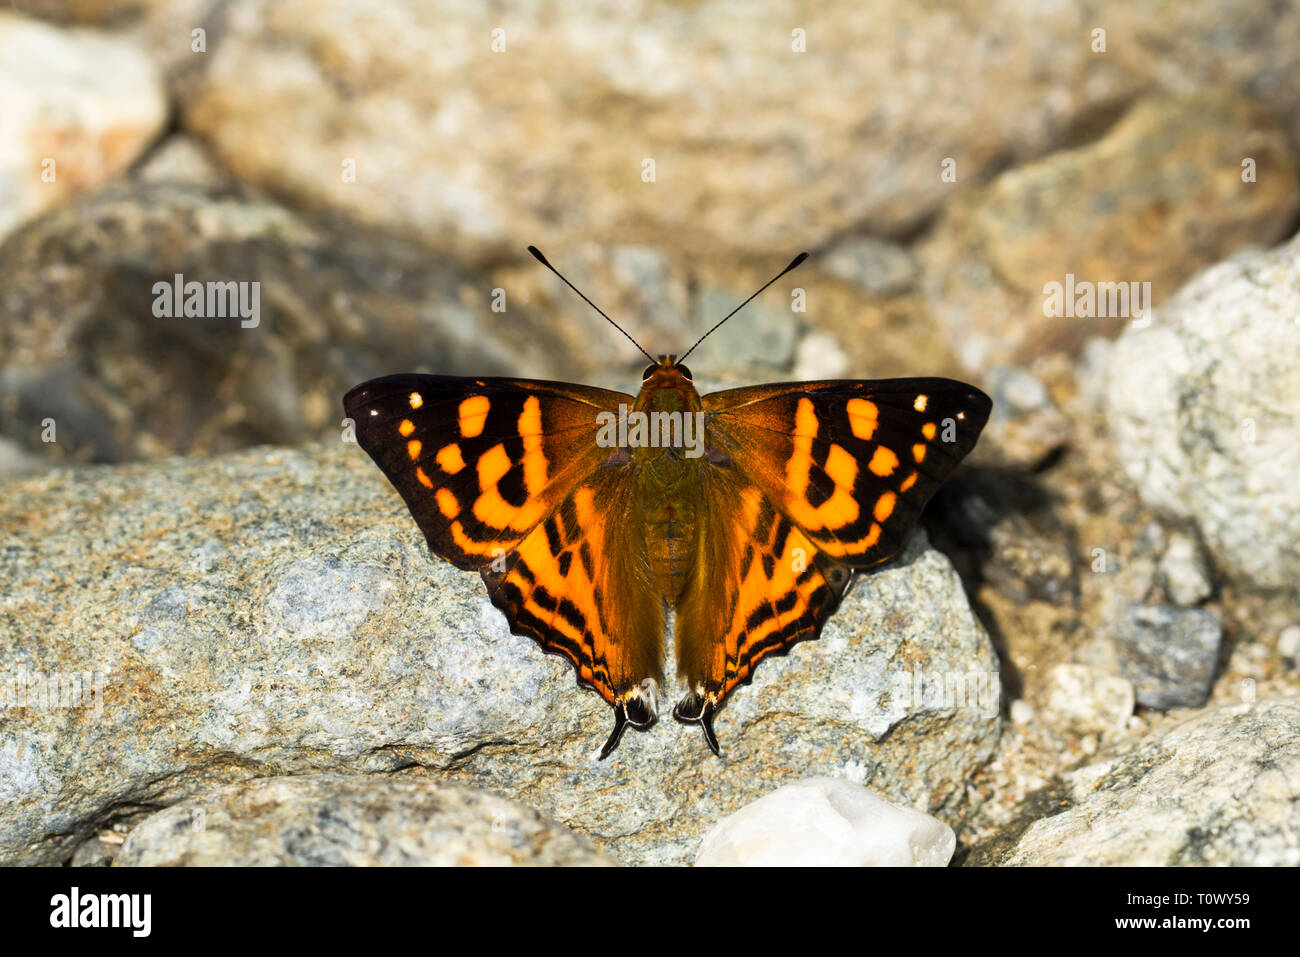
[{"x": 590, "y": 513}]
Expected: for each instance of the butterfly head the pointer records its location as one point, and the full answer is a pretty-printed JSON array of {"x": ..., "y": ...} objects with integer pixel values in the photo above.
[{"x": 668, "y": 369}]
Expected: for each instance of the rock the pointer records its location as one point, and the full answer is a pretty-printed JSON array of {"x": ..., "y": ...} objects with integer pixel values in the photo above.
[
  {"x": 760, "y": 342},
  {"x": 876, "y": 266},
  {"x": 1028, "y": 426},
  {"x": 1086, "y": 700},
  {"x": 451, "y": 147},
  {"x": 1169, "y": 654},
  {"x": 826, "y": 822},
  {"x": 1222, "y": 788},
  {"x": 1021, "y": 711},
  {"x": 1165, "y": 197},
  {"x": 819, "y": 356},
  {"x": 275, "y": 612},
  {"x": 1183, "y": 574},
  {"x": 76, "y": 109},
  {"x": 646, "y": 290},
  {"x": 1204, "y": 405},
  {"x": 1288, "y": 644},
  {"x": 84, "y": 349},
  {"x": 181, "y": 159},
  {"x": 333, "y": 820}
]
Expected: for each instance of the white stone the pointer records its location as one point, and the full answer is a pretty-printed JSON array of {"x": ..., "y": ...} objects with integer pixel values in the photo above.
[
  {"x": 827, "y": 822},
  {"x": 86, "y": 101},
  {"x": 819, "y": 356},
  {"x": 1183, "y": 572},
  {"x": 1022, "y": 712},
  {"x": 1288, "y": 643},
  {"x": 1086, "y": 699}
]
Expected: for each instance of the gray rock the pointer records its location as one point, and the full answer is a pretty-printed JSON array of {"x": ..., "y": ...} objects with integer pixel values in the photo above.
[
  {"x": 276, "y": 612},
  {"x": 1028, "y": 426},
  {"x": 876, "y": 266},
  {"x": 1204, "y": 407},
  {"x": 1169, "y": 654},
  {"x": 762, "y": 343},
  {"x": 333, "y": 820},
  {"x": 1221, "y": 788}
]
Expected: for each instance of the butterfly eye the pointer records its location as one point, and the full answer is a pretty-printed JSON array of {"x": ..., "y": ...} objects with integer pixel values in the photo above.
[
  {"x": 684, "y": 371},
  {"x": 649, "y": 371}
]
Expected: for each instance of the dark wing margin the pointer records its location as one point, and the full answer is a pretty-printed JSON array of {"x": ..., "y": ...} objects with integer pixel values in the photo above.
[{"x": 850, "y": 463}]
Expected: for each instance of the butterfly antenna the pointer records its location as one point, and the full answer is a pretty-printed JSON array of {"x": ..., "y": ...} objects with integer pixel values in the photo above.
[
  {"x": 793, "y": 263},
  {"x": 537, "y": 254}
]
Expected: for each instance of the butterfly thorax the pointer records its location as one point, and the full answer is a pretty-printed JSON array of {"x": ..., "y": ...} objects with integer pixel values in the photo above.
[{"x": 666, "y": 464}]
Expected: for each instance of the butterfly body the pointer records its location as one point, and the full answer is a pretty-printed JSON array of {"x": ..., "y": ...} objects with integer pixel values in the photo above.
[{"x": 590, "y": 513}]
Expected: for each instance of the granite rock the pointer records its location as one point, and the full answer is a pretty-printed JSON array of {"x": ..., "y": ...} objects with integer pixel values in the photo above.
[
  {"x": 181, "y": 625},
  {"x": 332, "y": 820},
  {"x": 1204, "y": 409},
  {"x": 1222, "y": 788}
]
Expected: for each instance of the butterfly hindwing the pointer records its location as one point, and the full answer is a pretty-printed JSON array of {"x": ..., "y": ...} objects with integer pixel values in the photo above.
[
  {"x": 584, "y": 590},
  {"x": 760, "y": 587},
  {"x": 849, "y": 463}
]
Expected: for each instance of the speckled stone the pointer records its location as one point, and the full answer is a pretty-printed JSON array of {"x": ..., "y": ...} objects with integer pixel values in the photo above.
[
  {"x": 332, "y": 820},
  {"x": 1221, "y": 788},
  {"x": 1203, "y": 405},
  {"x": 276, "y": 612}
]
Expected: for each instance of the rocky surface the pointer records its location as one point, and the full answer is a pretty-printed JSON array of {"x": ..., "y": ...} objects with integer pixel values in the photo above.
[
  {"x": 276, "y": 612},
  {"x": 331, "y": 820},
  {"x": 77, "y": 107},
  {"x": 1222, "y": 787},
  {"x": 1204, "y": 405},
  {"x": 1160, "y": 195},
  {"x": 826, "y": 822},
  {"x": 473, "y": 147}
]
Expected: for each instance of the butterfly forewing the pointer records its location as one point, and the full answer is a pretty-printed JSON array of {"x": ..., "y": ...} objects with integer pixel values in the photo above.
[
  {"x": 849, "y": 463},
  {"x": 480, "y": 462}
]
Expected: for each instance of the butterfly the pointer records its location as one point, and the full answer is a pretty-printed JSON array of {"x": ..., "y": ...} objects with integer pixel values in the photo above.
[{"x": 590, "y": 513}]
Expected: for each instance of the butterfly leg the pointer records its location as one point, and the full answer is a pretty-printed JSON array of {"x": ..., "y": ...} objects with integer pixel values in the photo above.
[
  {"x": 697, "y": 708},
  {"x": 636, "y": 708}
]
